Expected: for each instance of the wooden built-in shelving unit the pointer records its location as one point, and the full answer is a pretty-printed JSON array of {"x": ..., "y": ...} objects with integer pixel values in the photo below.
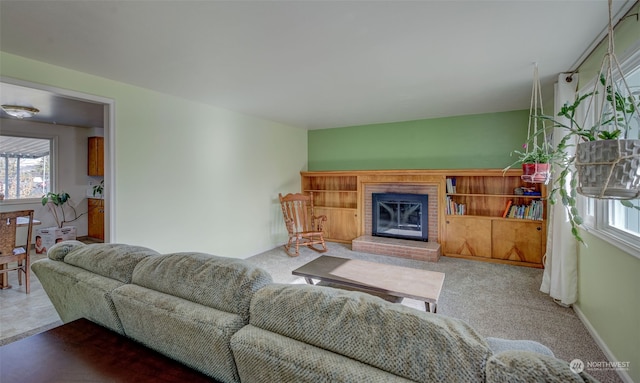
[
  {"x": 481, "y": 233},
  {"x": 335, "y": 196}
]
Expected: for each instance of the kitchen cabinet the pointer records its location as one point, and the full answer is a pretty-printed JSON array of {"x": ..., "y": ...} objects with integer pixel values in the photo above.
[
  {"x": 95, "y": 163},
  {"x": 96, "y": 218}
]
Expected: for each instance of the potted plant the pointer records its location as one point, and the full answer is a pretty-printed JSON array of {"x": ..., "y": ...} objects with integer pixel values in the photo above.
[
  {"x": 536, "y": 162},
  {"x": 606, "y": 160},
  {"x": 98, "y": 189},
  {"x": 56, "y": 203},
  {"x": 535, "y": 158},
  {"x": 605, "y": 163}
]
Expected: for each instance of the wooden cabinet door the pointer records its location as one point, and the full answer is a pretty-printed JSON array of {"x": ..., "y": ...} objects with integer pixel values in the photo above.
[
  {"x": 95, "y": 163},
  {"x": 341, "y": 224},
  {"x": 96, "y": 218},
  {"x": 470, "y": 236},
  {"x": 518, "y": 241}
]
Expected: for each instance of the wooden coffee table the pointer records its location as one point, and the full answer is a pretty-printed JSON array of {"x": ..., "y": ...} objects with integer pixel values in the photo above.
[
  {"x": 82, "y": 351},
  {"x": 377, "y": 278}
]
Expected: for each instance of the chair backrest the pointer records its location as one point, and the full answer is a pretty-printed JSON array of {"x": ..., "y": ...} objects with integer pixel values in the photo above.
[
  {"x": 8, "y": 230},
  {"x": 297, "y": 210}
]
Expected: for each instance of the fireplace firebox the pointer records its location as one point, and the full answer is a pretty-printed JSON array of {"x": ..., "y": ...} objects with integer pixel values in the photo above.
[{"x": 399, "y": 215}]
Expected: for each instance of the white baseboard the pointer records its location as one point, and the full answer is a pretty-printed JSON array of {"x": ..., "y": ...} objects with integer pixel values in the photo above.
[{"x": 624, "y": 375}]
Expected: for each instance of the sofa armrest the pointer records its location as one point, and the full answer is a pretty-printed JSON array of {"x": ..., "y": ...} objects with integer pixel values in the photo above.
[
  {"x": 60, "y": 250},
  {"x": 528, "y": 366},
  {"x": 498, "y": 345}
]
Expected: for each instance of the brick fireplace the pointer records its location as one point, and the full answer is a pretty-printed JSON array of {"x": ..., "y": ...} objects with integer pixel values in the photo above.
[{"x": 419, "y": 250}]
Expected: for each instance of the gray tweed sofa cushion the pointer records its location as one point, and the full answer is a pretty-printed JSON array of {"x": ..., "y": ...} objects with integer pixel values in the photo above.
[
  {"x": 266, "y": 357},
  {"x": 531, "y": 367},
  {"x": 188, "y": 305},
  {"x": 226, "y": 284},
  {"x": 79, "y": 279},
  {"x": 116, "y": 261},
  {"x": 414, "y": 345}
]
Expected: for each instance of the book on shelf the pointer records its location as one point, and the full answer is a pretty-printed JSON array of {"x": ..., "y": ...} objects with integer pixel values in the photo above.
[
  {"x": 506, "y": 209},
  {"x": 454, "y": 208},
  {"x": 533, "y": 211},
  {"x": 451, "y": 185}
]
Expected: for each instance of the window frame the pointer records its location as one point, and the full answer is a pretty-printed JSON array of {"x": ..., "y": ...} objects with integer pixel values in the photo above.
[
  {"x": 53, "y": 159},
  {"x": 596, "y": 212}
]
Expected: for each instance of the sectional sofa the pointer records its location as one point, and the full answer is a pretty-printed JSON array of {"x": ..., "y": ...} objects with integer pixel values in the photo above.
[{"x": 227, "y": 319}]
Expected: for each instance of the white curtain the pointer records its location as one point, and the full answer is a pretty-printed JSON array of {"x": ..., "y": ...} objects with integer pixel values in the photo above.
[{"x": 560, "y": 278}]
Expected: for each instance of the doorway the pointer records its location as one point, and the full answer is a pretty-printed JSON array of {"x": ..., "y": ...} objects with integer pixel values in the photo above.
[{"x": 60, "y": 106}]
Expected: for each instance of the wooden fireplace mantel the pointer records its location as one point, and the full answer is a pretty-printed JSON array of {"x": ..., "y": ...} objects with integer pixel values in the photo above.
[{"x": 482, "y": 233}]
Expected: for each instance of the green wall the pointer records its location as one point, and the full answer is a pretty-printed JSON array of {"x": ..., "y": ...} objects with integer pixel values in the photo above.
[
  {"x": 472, "y": 141},
  {"x": 608, "y": 291}
]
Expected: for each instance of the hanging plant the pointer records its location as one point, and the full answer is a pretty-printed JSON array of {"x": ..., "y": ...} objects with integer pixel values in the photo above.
[
  {"x": 536, "y": 163},
  {"x": 535, "y": 158},
  {"x": 605, "y": 164},
  {"x": 606, "y": 141}
]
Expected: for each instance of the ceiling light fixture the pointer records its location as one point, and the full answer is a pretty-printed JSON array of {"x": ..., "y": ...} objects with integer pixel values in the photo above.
[{"x": 20, "y": 112}]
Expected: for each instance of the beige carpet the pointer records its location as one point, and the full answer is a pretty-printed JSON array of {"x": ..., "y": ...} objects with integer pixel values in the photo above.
[{"x": 497, "y": 300}]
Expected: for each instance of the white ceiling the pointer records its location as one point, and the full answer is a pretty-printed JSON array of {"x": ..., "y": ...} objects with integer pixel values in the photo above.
[{"x": 315, "y": 64}]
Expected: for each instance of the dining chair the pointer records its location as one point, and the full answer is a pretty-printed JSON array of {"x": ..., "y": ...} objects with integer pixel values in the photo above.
[{"x": 13, "y": 257}]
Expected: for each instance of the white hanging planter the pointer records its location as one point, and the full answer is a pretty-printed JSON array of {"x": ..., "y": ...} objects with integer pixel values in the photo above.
[{"x": 609, "y": 168}]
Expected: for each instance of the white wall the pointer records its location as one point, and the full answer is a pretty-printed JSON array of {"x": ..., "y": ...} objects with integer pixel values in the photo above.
[
  {"x": 187, "y": 176},
  {"x": 195, "y": 177},
  {"x": 71, "y": 169}
]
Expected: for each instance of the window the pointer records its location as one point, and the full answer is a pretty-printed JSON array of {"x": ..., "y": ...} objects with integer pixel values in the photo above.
[
  {"x": 25, "y": 167},
  {"x": 608, "y": 219}
]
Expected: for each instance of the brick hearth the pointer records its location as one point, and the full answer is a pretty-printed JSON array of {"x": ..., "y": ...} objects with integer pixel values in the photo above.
[{"x": 403, "y": 248}]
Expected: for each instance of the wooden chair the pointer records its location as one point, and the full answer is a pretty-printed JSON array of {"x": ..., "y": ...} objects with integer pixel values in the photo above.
[
  {"x": 10, "y": 253},
  {"x": 304, "y": 227}
]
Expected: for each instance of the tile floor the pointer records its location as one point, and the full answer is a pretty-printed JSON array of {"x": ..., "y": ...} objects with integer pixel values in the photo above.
[{"x": 21, "y": 312}]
